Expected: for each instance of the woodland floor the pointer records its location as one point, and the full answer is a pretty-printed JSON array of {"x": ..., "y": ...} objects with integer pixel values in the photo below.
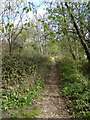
[{"x": 52, "y": 103}]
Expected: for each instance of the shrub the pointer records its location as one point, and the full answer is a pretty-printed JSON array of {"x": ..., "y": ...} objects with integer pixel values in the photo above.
[{"x": 74, "y": 87}]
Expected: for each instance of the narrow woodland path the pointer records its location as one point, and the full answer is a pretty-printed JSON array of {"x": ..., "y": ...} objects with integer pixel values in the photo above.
[{"x": 52, "y": 103}]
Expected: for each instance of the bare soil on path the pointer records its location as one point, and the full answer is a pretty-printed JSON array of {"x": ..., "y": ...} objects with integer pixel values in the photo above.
[{"x": 52, "y": 103}]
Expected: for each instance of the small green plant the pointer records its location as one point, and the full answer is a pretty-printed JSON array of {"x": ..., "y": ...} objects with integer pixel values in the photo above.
[
  {"x": 14, "y": 115},
  {"x": 46, "y": 70},
  {"x": 20, "y": 81},
  {"x": 15, "y": 98},
  {"x": 32, "y": 114},
  {"x": 49, "y": 62}
]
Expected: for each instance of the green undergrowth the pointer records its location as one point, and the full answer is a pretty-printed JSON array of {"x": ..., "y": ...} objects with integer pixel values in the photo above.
[
  {"x": 47, "y": 68},
  {"x": 21, "y": 81},
  {"x": 32, "y": 114},
  {"x": 29, "y": 113},
  {"x": 74, "y": 86}
]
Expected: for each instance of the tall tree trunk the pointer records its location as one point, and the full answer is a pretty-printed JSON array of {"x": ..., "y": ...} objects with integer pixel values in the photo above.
[
  {"x": 10, "y": 49},
  {"x": 66, "y": 33},
  {"x": 79, "y": 34}
]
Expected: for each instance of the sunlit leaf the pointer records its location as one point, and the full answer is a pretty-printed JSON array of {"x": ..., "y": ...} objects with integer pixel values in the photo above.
[
  {"x": 9, "y": 29},
  {"x": 12, "y": 25},
  {"x": 30, "y": 8},
  {"x": 28, "y": 24},
  {"x": 17, "y": 11},
  {"x": 25, "y": 24},
  {"x": 39, "y": 20},
  {"x": 51, "y": 16},
  {"x": 27, "y": 10},
  {"x": 3, "y": 30},
  {"x": 6, "y": 26},
  {"x": 32, "y": 24},
  {"x": 24, "y": 8}
]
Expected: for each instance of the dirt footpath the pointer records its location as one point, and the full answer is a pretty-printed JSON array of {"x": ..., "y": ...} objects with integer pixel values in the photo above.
[{"x": 52, "y": 103}]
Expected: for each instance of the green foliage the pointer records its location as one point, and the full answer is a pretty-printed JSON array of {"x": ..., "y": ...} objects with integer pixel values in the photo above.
[
  {"x": 46, "y": 26},
  {"x": 51, "y": 16},
  {"x": 25, "y": 24},
  {"x": 49, "y": 62},
  {"x": 30, "y": 8},
  {"x": 18, "y": 12},
  {"x": 55, "y": 10},
  {"x": 39, "y": 20},
  {"x": 32, "y": 24},
  {"x": 46, "y": 70},
  {"x": 32, "y": 114},
  {"x": 74, "y": 87},
  {"x": 28, "y": 24},
  {"x": 9, "y": 29},
  {"x": 20, "y": 82},
  {"x": 24, "y": 8},
  {"x": 3, "y": 30},
  {"x": 14, "y": 115},
  {"x": 27, "y": 10}
]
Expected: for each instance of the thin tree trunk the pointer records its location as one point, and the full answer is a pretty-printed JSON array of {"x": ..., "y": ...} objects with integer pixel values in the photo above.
[
  {"x": 80, "y": 35},
  {"x": 10, "y": 49},
  {"x": 72, "y": 52}
]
